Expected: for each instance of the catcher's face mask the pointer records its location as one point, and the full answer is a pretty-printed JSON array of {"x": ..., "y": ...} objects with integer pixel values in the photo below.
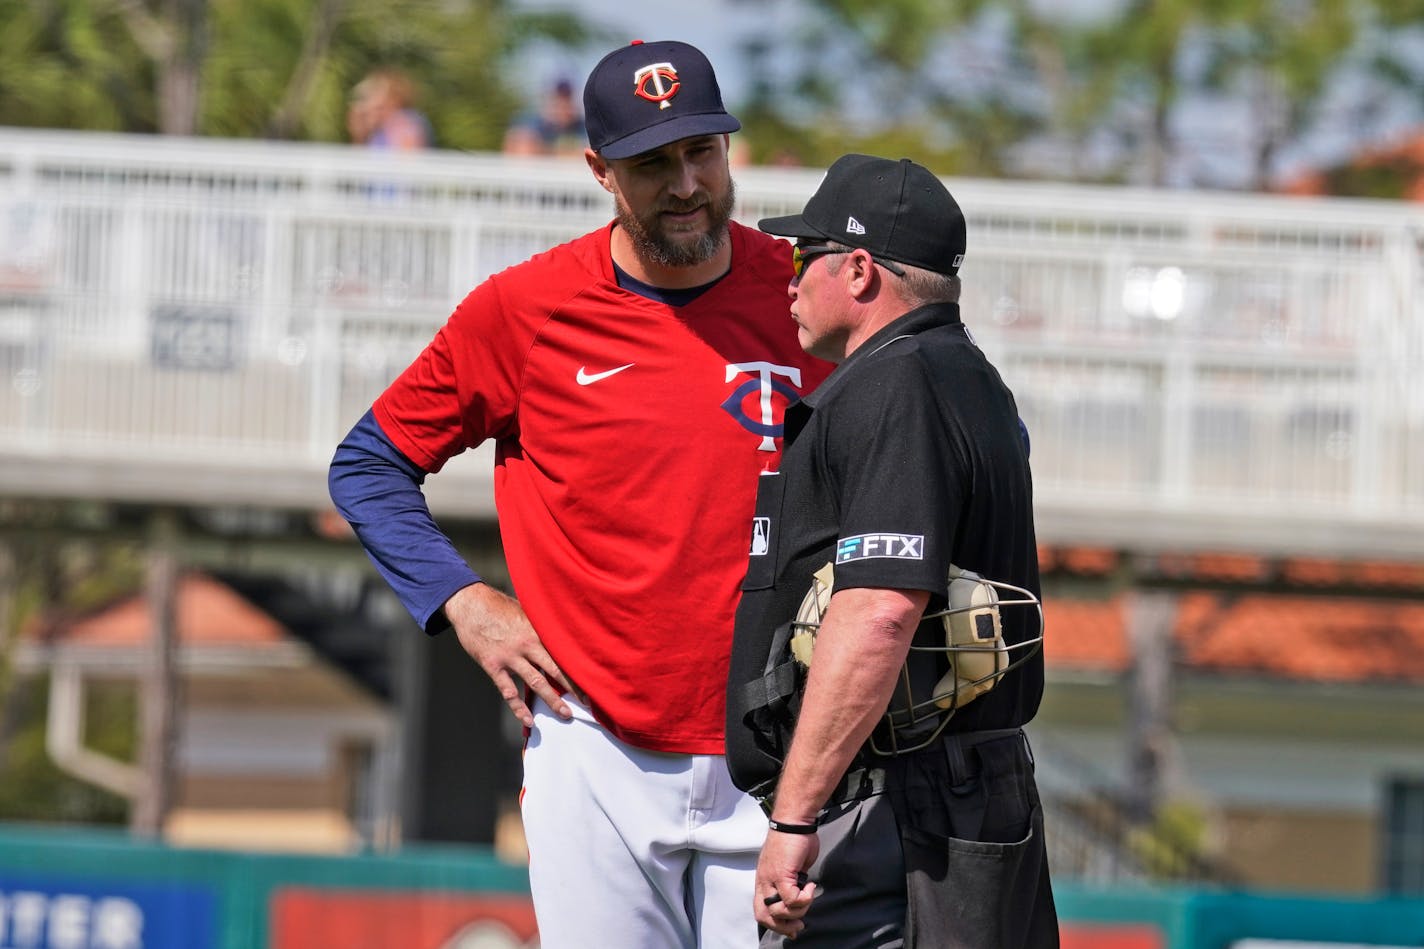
[{"x": 973, "y": 644}]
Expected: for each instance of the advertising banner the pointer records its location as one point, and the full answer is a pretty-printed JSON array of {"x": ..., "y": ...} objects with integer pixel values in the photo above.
[
  {"x": 38, "y": 912},
  {"x": 355, "y": 919}
]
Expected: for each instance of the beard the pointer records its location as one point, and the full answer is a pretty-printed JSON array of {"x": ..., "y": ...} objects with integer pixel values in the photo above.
[{"x": 657, "y": 246}]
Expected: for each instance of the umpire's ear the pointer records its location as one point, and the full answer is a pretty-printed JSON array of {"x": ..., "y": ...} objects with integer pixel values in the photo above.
[
  {"x": 858, "y": 273},
  {"x": 599, "y": 166}
]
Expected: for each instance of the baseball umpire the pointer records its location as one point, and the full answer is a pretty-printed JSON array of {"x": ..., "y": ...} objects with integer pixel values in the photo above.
[
  {"x": 633, "y": 381},
  {"x": 886, "y": 649}
]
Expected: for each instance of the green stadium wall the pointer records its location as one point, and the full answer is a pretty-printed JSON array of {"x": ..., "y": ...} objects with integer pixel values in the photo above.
[{"x": 71, "y": 888}]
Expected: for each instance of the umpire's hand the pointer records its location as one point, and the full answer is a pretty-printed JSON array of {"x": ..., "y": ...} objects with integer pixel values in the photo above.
[
  {"x": 494, "y": 630},
  {"x": 783, "y": 894}
]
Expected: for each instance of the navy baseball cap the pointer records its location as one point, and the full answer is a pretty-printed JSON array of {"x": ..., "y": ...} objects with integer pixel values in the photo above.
[
  {"x": 897, "y": 210},
  {"x": 645, "y": 95}
]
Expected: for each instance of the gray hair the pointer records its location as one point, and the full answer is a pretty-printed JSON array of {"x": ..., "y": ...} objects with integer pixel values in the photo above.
[{"x": 918, "y": 286}]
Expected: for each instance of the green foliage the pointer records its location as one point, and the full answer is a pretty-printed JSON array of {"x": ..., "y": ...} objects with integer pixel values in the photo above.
[
  {"x": 33, "y": 788},
  {"x": 1044, "y": 74},
  {"x": 71, "y": 64},
  {"x": 1398, "y": 29},
  {"x": 1175, "y": 839},
  {"x": 1391, "y": 177},
  {"x": 274, "y": 68},
  {"x": 57, "y": 577},
  {"x": 771, "y": 140},
  {"x": 1281, "y": 55},
  {"x": 967, "y": 86},
  {"x": 893, "y": 54},
  {"x": 49, "y": 576},
  {"x": 1400, "y": 13}
]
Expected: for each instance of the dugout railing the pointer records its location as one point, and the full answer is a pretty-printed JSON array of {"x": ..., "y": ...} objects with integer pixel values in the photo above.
[{"x": 200, "y": 321}]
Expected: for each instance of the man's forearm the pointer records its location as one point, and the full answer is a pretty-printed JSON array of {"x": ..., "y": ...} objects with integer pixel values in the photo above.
[
  {"x": 377, "y": 490},
  {"x": 859, "y": 651}
]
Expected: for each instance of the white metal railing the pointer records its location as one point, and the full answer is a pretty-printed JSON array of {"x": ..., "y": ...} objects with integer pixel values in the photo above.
[{"x": 202, "y": 320}]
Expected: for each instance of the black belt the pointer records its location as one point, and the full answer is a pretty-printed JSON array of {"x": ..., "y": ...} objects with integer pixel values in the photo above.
[{"x": 869, "y": 779}]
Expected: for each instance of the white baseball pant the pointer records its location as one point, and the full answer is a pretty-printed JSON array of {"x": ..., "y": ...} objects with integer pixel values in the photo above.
[{"x": 634, "y": 849}]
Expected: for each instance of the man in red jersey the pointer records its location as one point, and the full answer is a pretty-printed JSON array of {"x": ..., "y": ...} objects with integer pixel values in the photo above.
[{"x": 633, "y": 380}]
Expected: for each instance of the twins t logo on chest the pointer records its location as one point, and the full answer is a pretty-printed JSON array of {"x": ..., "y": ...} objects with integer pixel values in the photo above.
[{"x": 766, "y": 385}]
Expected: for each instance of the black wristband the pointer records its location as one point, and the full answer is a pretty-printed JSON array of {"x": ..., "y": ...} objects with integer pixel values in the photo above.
[{"x": 782, "y": 827}]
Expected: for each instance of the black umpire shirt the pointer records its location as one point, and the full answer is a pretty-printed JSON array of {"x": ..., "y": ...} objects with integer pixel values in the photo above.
[{"x": 906, "y": 459}]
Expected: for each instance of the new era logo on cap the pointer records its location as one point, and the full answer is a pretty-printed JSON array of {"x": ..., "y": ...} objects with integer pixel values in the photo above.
[
  {"x": 854, "y": 227},
  {"x": 645, "y": 95}
]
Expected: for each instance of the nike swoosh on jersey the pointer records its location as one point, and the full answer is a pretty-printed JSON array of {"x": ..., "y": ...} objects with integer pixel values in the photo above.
[{"x": 586, "y": 378}]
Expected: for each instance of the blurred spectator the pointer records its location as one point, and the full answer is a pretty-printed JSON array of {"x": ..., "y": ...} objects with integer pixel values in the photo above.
[
  {"x": 382, "y": 113},
  {"x": 27, "y": 243},
  {"x": 784, "y": 158},
  {"x": 556, "y": 129}
]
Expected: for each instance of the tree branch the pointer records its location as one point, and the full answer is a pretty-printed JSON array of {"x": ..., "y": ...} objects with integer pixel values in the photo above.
[
  {"x": 151, "y": 34},
  {"x": 325, "y": 16}
]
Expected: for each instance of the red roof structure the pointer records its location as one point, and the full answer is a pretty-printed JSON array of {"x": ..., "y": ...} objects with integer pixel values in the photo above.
[
  {"x": 1394, "y": 170},
  {"x": 208, "y": 613},
  {"x": 1302, "y": 637}
]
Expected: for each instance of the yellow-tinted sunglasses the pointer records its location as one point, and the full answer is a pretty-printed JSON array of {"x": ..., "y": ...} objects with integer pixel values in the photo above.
[{"x": 802, "y": 256}]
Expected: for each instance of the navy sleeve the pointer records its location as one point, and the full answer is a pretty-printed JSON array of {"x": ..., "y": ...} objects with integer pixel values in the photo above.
[{"x": 377, "y": 489}]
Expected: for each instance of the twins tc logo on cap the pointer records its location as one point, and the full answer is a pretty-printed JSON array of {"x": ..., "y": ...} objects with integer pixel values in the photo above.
[
  {"x": 655, "y": 74},
  {"x": 688, "y": 101}
]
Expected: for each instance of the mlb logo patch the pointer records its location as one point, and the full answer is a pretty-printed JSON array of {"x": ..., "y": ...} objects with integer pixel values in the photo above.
[{"x": 761, "y": 536}]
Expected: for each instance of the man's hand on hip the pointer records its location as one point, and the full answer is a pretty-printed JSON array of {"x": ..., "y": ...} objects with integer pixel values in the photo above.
[{"x": 495, "y": 632}]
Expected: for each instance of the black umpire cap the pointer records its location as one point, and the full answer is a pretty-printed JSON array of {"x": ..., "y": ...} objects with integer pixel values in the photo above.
[
  {"x": 645, "y": 95},
  {"x": 897, "y": 210}
]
